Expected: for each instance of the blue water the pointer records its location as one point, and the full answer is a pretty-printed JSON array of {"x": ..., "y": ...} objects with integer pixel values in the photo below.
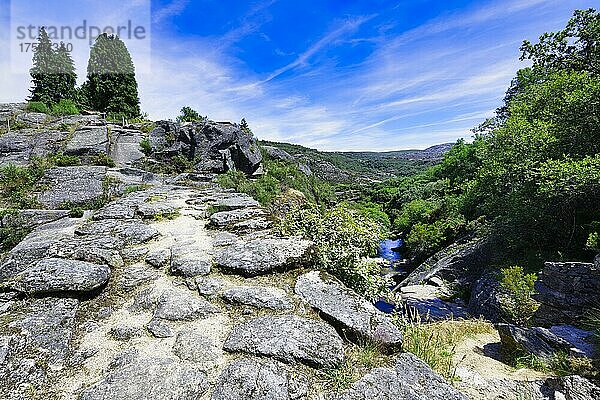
[{"x": 386, "y": 250}]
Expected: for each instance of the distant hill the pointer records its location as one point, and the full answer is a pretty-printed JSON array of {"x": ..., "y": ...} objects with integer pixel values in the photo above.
[{"x": 366, "y": 166}]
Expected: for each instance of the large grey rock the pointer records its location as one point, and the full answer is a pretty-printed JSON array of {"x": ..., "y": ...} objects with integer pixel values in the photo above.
[
  {"x": 72, "y": 186},
  {"x": 566, "y": 291},
  {"x": 352, "y": 314},
  {"x": 216, "y": 146},
  {"x": 135, "y": 276},
  {"x": 55, "y": 275},
  {"x": 209, "y": 286},
  {"x": 288, "y": 338},
  {"x": 255, "y": 379},
  {"x": 411, "y": 379},
  {"x": 573, "y": 388},
  {"x": 32, "y": 218},
  {"x": 486, "y": 298},
  {"x": 159, "y": 258},
  {"x": 259, "y": 296},
  {"x": 277, "y": 154},
  {"x": 18, "y": 147},
  {"x": 150, "y": 379},
  {"x": 182, "y": 305},
  {"x": 125, "y": 147},
  {"x": 461, "y": 263},
  {"x": 226, "y": 218},
  {"x": 582, "y": 341},
  {"x": 262, "y": 256},
  {"x": 88, "y": 141},
  {"x": 538, "y": 341},
  {"x": 130, "y": 231},
  {"x": 37, "y": 334},
  {"x": 192, "y": 345},
  {"x": 40, "y": 243}
]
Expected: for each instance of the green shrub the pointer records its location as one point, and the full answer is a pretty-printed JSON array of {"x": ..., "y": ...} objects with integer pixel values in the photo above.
[
  {"x": 344, "y": 239},
  {"x": 62, "y": 160},
  {"x": 65, "y": 107},
  {"x": 104, "y": 160},
  {"x": 518, "y": 305},
  {"x": 146, "y": 147},
  {"x": 593, "y": 241},
  {"x": 17, "y": 183},
  {"x": 37, "y": 106},
  {"x": 135, "y": 188}
]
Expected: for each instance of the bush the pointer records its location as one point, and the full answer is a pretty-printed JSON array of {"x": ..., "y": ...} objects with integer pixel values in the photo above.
[
  {"x": 37, "y": 106},
  {"x": 146, "y": 147},
  {"x": 344, "y": 239},
  {"x": 61, "y": 160},
  {"x": 518, "y": 304},
  {"x": 17, "y": 183},
  {"x": 104, "y": 160},
  {"x": 65, "y": 107},
  {"x": 593, "y": 241}
]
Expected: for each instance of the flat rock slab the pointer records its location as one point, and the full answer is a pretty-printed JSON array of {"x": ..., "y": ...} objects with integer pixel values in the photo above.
[
  {"x": 131, "y": 231},
  {"x": 38, "y": 343},
  {"x": 72, "y": 186},
  {"x": 209, "y": 286},
  {"x": 263, "y": 256},
  {"x": 150, "y": 379},
  {"x": 538, "y": 341},
  {"x": 189, "y": 261},
  {"x": 252, "y": 379},
  {"x": 55, "y": 275},
  {"x": 288, "y": 338},
  {"x": 259, "y": 296},
  {"x": 354, "y": 315},
  {"x": 411, "y": 379},
  {"x": 192, "y": 345},
  {"x": 226, "y": 218},
  {"x": 182, "y": 305},
  {"x": 88, "y": 141}
]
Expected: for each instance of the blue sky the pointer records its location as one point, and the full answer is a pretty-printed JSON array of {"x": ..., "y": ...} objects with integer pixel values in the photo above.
[{"x": 335, "y": 75}]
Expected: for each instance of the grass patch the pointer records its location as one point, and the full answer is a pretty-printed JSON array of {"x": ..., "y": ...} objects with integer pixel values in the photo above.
[
  {"x": 358, "y": 361},
  {"x": 435, "y": 343},
  {"x": 104, "y": 160},
  {"x": 135, "y": 188}
]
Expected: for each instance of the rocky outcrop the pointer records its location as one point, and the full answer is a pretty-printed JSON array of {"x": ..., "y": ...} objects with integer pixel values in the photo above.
[
  {"x": 566, "y": 291},
  {"x": 538, "y": 341},
  {"x": 486, "y": 298},
  {"x": 411, "y": 379},
  {"x": 263, "y": 256},
  {"x": 424, "y": 303},
  {"x": 460, "y": 263},
  {"x": 288, "y": 338},
  {"x": 211, "y": 146},
  {"x": 179, "y": 305},
  {"x": 353, "y": 315}
]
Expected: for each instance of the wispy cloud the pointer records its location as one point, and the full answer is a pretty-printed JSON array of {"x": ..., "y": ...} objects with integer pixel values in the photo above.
[{"x": 174, "y": 8}]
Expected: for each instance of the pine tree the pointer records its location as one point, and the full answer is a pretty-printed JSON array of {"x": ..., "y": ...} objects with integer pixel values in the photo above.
[
  {"x": 111, "y": 86},
  {"x": 42, "y": 72},
  {"x": 65, "y": 78}
]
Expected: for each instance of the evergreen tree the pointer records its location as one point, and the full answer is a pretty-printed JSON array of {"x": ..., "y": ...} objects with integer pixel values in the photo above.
[
  {"x": 111, "y": 86},
  {"x": 42, "y": 72},
  {"x": 65, "y": 77},
  {"x": 245, "y": 127}
]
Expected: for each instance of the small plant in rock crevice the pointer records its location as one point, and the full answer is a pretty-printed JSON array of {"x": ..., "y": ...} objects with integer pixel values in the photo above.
[{"x": 518, "y": 304}]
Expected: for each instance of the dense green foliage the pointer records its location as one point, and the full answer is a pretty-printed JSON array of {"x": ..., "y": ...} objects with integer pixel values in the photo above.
[
  {"x": 65, "y": 107},
  {"x": 111, "y": 86},
  {"x": 532, "y": 175},
  {"x": 189, "y": 115},
  {"x": 53, "y": 73},
  {"x": 279, "y": 176},
  {"x": 344, "y": 239}
]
